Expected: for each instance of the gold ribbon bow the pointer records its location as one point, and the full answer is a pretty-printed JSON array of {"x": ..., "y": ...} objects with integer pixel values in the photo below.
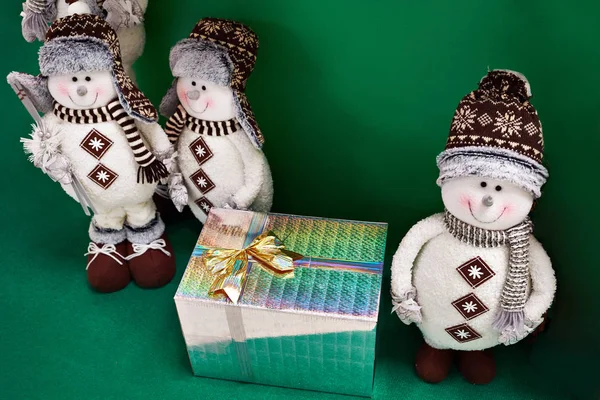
[{"x": 230, "y": 267}]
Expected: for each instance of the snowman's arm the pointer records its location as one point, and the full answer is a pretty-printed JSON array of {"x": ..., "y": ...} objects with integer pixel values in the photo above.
[
  {"x": 543, "y": 282},
  {"x": 410, "y": 246},
  {"x": 254, "y": 167},
  {"x": 157, "y": 139}
]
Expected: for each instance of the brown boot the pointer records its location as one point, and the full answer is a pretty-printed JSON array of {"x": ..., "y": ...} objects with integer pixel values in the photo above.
[
  {"x": 477, "y": 367},
  {"x": 152, "y": 265},
  {"x": 433, "y": 365},
  {"x": 107, "y": 269}
]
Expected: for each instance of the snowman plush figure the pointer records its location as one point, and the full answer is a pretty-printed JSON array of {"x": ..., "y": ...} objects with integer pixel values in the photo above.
[
  {"x": 219, "y": 157},
  {"x": 475, "y": 277},
  {"x": 126, "y": 17},
  {"x": 99, "y": 129}
]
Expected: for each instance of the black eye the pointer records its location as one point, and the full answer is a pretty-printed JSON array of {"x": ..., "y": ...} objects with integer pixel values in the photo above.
[
  {"x": 74, "y": 79},
  {"x": 498, "y": 188},
  {"x": 194, "y": 83},
  {"x": 203, "y": 87},
  {"x": 483, "y": 184},
  {"x": 88, "y": 79}
]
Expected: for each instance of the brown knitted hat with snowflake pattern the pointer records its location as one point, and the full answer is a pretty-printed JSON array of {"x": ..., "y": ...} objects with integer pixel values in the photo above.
[{"x": 496, "y": 133}]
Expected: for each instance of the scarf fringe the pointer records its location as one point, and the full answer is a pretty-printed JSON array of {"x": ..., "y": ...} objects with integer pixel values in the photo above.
[
  {"x": 152, "y": 173},
  {"x": 513, "y": 321}
]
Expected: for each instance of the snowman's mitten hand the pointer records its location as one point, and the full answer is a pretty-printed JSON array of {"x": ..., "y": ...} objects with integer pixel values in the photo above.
[
  {"x": 178, "y": 192},
  {"x": 510, "y": 336},
  {"x": 123, "y": 14},
  {"x": 35, "y": 23},
  {"x": 169, "y": 159},
  {"x": 242, "y": 200},
  {"x": 405, "y": 306}
]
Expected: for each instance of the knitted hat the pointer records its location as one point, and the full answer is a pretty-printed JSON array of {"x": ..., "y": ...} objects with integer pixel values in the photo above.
[
  {"x": 223, "y": 52},
  {"x": 84, "y": 42},
  {"x": 496, "y": 134}
]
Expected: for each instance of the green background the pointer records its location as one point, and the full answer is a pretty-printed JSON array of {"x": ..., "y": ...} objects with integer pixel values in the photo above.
[{"x": 355, "y": 98}]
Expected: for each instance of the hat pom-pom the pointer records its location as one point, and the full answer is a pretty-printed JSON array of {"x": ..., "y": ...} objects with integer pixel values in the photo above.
[
  {"x": 502, "y": 83},
  {"x": 79, "y": 7}
]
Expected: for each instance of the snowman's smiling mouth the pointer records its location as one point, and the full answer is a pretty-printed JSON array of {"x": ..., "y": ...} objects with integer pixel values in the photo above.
[
  {"x": 486, "y": 222},
  {"x": 197, "y": 112},
  {"x": 84, "y": 105}
]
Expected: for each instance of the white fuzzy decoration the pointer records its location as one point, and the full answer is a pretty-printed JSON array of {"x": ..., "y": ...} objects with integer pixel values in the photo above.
[{"x": 44, "y": 152}]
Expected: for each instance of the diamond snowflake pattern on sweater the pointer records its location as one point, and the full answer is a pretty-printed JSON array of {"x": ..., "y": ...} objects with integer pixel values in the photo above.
[
  {"x": 96, "y": 144},
  {"x": 204, "y": 205},
  {"x": 200, "y": 151},
  {"x": 102, "y": 176},
  {"x": 470, "y": 306},
  {"x": 463, "y": 333},
  {"x": 202, "y": 181},
  {"x": 475, "y": 272}
]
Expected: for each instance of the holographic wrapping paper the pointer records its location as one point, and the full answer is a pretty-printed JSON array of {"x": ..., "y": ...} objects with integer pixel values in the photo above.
[{"x": 314, "y": 331}]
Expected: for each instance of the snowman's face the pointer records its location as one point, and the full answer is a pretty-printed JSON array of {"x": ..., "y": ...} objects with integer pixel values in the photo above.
[
  {"x": 85, "y": 90},
  {"x": 205, "y": 100},
  {"x": 486, "y": 203}
]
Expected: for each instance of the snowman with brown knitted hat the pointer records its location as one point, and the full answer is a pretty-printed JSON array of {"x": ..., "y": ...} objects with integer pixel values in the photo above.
[
  {"x": 99, "y": 139},
  {"x": 220, "y": 162},
  {"x": 475, "y": 276}
]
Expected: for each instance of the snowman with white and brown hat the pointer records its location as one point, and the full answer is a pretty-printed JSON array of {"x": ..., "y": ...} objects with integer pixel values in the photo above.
[
  {"x": 220, "y": 162},
  {"x": 475, "y": 276},
  {"x": 99, "y": 134}
]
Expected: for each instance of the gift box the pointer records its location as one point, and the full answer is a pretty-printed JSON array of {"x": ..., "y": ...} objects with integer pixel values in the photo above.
[{"x": 284, "y": 300}]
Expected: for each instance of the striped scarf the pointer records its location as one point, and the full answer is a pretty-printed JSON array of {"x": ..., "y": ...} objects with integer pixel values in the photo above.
[
  {"x": 181, "y": 119},
  {"x": 514, "y": 293},
  {"x": 151, "y": 170}
]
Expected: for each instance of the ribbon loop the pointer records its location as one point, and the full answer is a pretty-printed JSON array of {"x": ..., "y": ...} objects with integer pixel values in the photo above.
[{"x": 230, "y": 267}]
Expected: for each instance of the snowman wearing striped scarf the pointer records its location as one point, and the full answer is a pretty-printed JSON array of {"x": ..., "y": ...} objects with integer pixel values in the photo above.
[
  {"x": 99, "y": 139},
  {"x": 219, "y": 158},
  {"x": 126, "y": 17}
]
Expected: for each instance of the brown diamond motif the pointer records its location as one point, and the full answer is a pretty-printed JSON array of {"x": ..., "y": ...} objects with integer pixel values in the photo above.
[
  {"x": 200, "y": 151},
  {"x": 470, "y": 306},
  {"x": 204, "y": 205},
  {"x": 202, "y": 182},
  {"x": 463, "y": 333},
  {"x": 102, "y": 176},
  {"x": 96, "y": 144},
  {"x": 475, "y": 272}
]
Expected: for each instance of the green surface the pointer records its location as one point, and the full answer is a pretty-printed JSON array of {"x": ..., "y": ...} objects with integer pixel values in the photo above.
[{"x": 355, "y": 98}]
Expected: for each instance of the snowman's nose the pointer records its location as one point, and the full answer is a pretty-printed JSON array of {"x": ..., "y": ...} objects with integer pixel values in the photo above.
[
  {"x": 488, "y": 201},
  {"x": 193, "y": 94},
  {"x": 82, "y": 91}
]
